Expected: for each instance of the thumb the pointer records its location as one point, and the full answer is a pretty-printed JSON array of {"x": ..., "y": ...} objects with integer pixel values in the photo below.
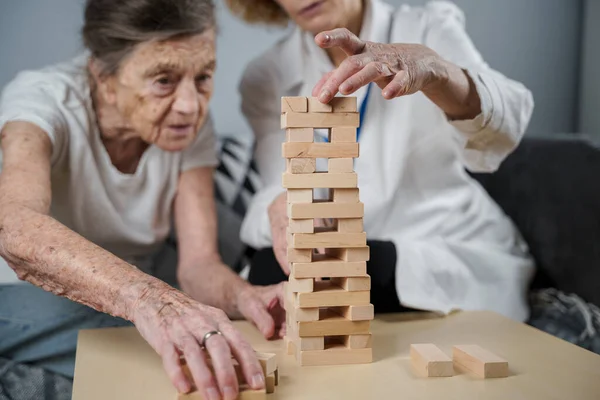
[{"x": 255, "y": 311}]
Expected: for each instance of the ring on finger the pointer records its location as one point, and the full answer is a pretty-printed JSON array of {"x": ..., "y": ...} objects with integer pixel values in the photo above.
[{"x": 208, "y": 335}]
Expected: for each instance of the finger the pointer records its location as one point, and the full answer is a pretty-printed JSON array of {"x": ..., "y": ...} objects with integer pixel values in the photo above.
[
  {"x": 220, "y": 355},
  {"x": 281, "y": 256},
  {"x": 172, "y": 366},
  {"x": 196, "y": 361},
  {"x": 398, "y": 86},
  {"x": 347, "y": 68},
  {"x": 341, "y": 38},
  {"x": 317, "y": 89},
  {"x": 372, "y": 72},
  {"x": 246, "y": 357},
  {"x": 255, "y": 310}
]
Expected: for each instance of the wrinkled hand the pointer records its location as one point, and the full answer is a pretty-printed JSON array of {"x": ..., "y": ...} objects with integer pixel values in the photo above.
[
  {"x": 398, "y": 69},
  {"x": 263, "y": 306},
  {"x": 174, "y": 325},
  {"x": 278, "y": 219}
]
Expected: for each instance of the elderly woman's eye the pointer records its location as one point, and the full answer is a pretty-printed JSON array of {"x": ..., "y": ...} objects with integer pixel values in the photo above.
[
  {"x": 164, "y": 81},
  {"x": 203, "y": 78}
]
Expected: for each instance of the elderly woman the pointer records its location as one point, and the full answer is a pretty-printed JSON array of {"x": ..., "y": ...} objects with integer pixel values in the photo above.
[
  {"x": 99, "y": 156},
  {"x": 430, "y": 106}
]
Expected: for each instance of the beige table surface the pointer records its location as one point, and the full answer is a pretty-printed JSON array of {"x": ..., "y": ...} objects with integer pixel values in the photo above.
[{"x": 116, "y": 363}]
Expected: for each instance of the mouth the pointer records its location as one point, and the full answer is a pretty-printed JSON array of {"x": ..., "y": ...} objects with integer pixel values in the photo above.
[
  {"x": 181, "y": 130},
  {"x": 311, "y": 9}
]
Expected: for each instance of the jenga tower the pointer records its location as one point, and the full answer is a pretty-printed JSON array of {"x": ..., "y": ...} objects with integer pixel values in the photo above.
[{"x": 328, "y": 294}]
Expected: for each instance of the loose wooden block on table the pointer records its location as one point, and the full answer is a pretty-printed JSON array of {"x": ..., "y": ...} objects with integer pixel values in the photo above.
[
  {"x": 314, "y": 105},
  {"x": 350, "y": 225},
  {"x": 356, "y": 313},
  {"x": 319, "y": 120},
  {"x": 294, "y": 104},
  {"x": 351, "y": 254},
  {"x": 428, "y": 360},
  {"x": 327, "y": 295},
  {"x": 480, "y": 361},
  {"x": 270, "y": 383},
  {"x": 319, "y": 150},
  {"x": 326, "y": 240},
  {"x": 327, "y": 267},
  {"x": 337, "y": 354},
  {"x": 268, "y": 362},
  {"x": 244, "y": 394},
  {"x": 302, "y": 225},
  {"x": 340, "y": 165},
  {"x": 319, "y": 180},
  {"x": 326, "y": 210},
  {"x": 299, "y": 196},
  {"x": 342, "y": 135},
  {"x": 353, "y": 284},
  {"x": 301, "y": 165},
  {"x": 303, "y": 135}
]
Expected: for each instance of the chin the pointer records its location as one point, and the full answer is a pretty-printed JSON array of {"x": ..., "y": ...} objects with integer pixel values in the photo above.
[{"x": 318, "y": 24}]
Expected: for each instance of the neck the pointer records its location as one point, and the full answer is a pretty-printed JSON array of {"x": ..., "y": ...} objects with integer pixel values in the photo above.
[
  {"x": 354, "y": 25},
  {"x": 124, "y": 147}
]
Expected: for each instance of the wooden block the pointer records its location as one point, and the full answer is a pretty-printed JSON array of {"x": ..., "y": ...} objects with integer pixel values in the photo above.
[
  {"x": 342, "y": 195},
  {"x": 308, "y": 343},
  {"x": 350, "y": 225},
  {"x": 353, "y": 254},
  {"x": 299, "y": 255},
  {"x": 340, "y": 165},
  {"x": 301, "y": 165},
  {"x": 268, "y": 362},
  {"x": 319, "y": 180},
  {"x": 290, "y": 347},
  {"x": 342, "y": 135},
  {"x": 319, "y": 150},
  {"x": 302, "y": 225},
  {"x": 299, "y": 196},
  {"x": 331, "y": 324},
  {"x": 480, "y": 361},
  {"x": 334, "y": 355},
  {"x": 327, "y": 267},
  {"x": 296, "y": 313},
  {"x": 251, "y": 394},
  {"x": 314, "y": 105},
  {"x": 328, "y": 295},
  {"x": 358, "y": 341},
  {"x": 428, "y": 360},
  {"x": 276, "y": 376},
  {"x": 344, "y": 104},
  {"x": 327, "y": 240},
  {"x": 353, "y": 284},
  {"x": 319, "y": 120},
  {"x": 305, "y": 135},
  {"x": 326, "y": 210},
  {"x": 294, "y": 104},
  {"x": 356, "y": 313},
  {"x": 304, "y": 285},
  {"x": 270, "y": 383}
]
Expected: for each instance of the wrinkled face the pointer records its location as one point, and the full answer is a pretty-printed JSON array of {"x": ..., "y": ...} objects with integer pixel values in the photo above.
[
  {"x": 163, "y": 88},
  {"x": 320, "y": 15}
]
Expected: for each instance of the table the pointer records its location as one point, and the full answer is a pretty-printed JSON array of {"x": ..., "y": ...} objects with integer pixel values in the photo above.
[{"x": 116, "y": 363}]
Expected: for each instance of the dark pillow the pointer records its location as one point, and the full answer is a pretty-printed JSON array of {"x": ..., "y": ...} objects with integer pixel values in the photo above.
[{"x": 550, "y": 187}]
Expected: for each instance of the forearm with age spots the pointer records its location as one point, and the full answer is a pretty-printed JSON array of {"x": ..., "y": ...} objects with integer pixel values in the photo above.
[{"x": 49, "y": 255}]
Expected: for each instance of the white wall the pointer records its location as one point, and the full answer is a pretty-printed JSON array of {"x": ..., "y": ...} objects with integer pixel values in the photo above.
[{"x": 589, "y": 116}]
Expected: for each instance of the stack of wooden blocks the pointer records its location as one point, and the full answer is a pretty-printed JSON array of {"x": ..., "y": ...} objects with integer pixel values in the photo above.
[{"x": 328, "y": 293}]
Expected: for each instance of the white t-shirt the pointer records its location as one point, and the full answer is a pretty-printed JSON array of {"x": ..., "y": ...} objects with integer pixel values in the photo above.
[{"x": 127, "y": 214}]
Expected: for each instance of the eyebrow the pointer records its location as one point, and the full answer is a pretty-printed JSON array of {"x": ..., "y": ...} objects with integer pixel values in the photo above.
[{"x": 165, "y": 67}]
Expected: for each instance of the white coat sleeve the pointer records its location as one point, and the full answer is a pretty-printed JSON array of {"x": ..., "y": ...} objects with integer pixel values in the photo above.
[
  {"x": 506, "y": 105},
  {"x": 261, "y": 105}
]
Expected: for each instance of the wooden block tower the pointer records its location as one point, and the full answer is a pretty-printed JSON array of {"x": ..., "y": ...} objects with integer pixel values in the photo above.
[{"x": 328, "y": 293}]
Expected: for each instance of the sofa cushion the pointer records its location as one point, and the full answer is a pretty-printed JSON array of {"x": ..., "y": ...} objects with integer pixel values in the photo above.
[{"x": 550, "y": 188}]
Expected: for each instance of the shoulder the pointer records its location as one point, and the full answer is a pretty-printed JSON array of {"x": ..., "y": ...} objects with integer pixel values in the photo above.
[{"x": 431, "y": 14}]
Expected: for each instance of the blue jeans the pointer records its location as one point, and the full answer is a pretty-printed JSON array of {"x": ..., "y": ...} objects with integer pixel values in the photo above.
[{"x": 40, "y": 329}]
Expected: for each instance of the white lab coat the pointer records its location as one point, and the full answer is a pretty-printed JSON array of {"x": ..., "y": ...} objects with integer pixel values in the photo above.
[{"x": 456, "y": 248}]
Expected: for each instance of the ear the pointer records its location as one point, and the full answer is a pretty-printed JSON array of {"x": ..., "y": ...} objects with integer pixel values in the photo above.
[{"x": 106, "y": 84}]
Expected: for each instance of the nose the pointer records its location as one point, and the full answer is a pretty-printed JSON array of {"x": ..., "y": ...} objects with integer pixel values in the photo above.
[{"x": 186, "y": 98}]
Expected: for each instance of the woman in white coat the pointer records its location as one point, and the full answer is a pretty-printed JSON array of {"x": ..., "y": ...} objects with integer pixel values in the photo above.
[{"x": 430, "y": 106}]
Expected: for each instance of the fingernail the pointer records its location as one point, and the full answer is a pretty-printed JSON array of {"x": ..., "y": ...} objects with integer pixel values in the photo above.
[
  {"x": 258, "y": 381},
  {"x": 386, "y": 93},
  {"x": 229, "y": 393},
  {"x": 213, "y": 394},
  {"x": 183, "y": 387},
  {"x": 324, "y": 96},
  {"x": 327, "y": 38}
]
